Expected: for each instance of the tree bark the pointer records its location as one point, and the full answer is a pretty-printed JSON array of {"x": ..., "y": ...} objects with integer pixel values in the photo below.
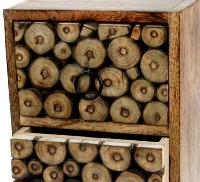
[
  {"x": 142, "y": 90},
  {"x": 58, "y": 105},
  {"x": 43, "y": 73},
  {"x": 19, "y": 169},
  {"x": 125, "y": 110},
  {"x": 115, "y": 158},
  {"x": 89, "y": 53},
  {"x": 71, "y": 168},
  {"x": 154, "y": 35},
  {"x": 88, "y": 29},
  {"x": 136, "y": 32},
  {"x": 124, "y": 52},
  {"x": 111, "y": 31},
  {"x": 149, "y": 159},
  {"x": 30, "y": 103},
  {"x": 53, "y": 174},
  {"x": 40, "y": 37},
  {"x": 21, "y": 78},
  {"x": 127, "y": 176},
  {"x": 35, "y": 167},
  {"x": 22, "y": 56},
  {"x": 94, "y": 172},
  {"x": 19, "y": 29},
  {"x": 115, "y": 82},
  {"x": 154, "y": 178},
  {"x": 133, "y": 73},
  {"x": 93, "y": 110},
  {"x": 155, "y": 113},
  {"x": 68, "y": 75},
  {"x": 162, "y": 93},
  {"x": 154, "y": 66}
]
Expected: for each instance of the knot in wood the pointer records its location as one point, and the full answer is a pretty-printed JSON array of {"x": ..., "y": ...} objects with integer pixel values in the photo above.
[
  {"x": 150, "y": 157},
  {"x": 124, "y": 112},
  {"x": 63, "y": 51},
  {"x": 34, "y": 166},
  {"x": 108, "y": 82},
  {"x": 89, "y": 54},
  {"x": 70, "y": 168},
  {"x": 157, "y": 116},
  {"x": 90, "y": 109},
  {"x": 143, "y": 90},
  {"x": 95, "y": 176},
  {"x": 52, "y": 149},
  {"x": 112, "y": 31},
  {"x": 82, "y": 147},
  {"x": 39, "y": 39},
  {"x": 66, "y": 30},
  {"x": 117, "y": 157},
  {"x": 54, "y": 175},
  {"x": 165, "y": 92},
  {"x": 153, "y": 65},
  {"x": 16, "y": 170},
  {"x": 18, "y": 146},
  {"x": 154, "y": 34},
  {"x": 123, "y": 51},
  {"x": 19, "y": 57},
  {"x": 44, "y": 73},
  {"x": 57, "y": 107},
  {"x": 28, "y": 103}
]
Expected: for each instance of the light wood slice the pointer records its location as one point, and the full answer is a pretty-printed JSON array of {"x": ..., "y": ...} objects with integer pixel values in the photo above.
[
  {"x": 53, "y": 174},
  {"x": 136, "y": 32},
  {"x": 89, "y": 53},
  {"x": 83, "y": 152},
  {"x": 154, "y": 178},
  {"x": 115, "y": 82},
  {"x": 21, "y": 149},
  {"x": 162, "y": 93},
  {"x": 68, "y": 75},
  {"x": 142, "y": 90},
  {"x": 19, "y": 29},
  {"x": 115, "y": 158},
  {"x": 93, "y": 110},
  {"x": 124, "y": 52},
  {"x": 58, "y": 105},
  {"x": 40, "y": 37},
  {"x": 155, "y": 113},
  {"x": 133, "y": 73},
  {"x": 22, "y": 56},
  {"x": 62, "y": 51},
  {"x": 94, "y": 172},
  {"x": 88, "y": 29},
  {"x": 110, "y": 31},
  {"x": 35, "y": 167},
  {"x": 50, "y": 152},
  {"x": 125, "y": 110},
  {"x": 43, "y": 73},
  {"x": 154, "y": 35},
  {"x": 127, "y": 176},
  {"x": 71, "y": 168},
  {"x": 21, "y": 78},
  {"x": 19, "y": 169},
  {"x": 30, "y": 103},
  {"x": 68, "y": 32},
  {"x": 154, "y": 66},
  {"x": 149, "y": 159}
]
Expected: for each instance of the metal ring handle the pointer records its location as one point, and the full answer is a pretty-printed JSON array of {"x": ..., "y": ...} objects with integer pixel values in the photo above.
[{"x": 85, "y": 96}]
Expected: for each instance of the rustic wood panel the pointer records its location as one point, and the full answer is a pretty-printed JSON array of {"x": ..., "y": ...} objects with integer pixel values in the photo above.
[
  {"x": 190, "y": 100},
  {"x": 78, "y": 124},
  {"x": 117, "y": 5}
]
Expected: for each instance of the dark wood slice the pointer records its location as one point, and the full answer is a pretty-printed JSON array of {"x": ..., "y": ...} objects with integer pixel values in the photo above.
[
  {"x": 128, "y": 176},
  {"x": 71, "y": 168},
  {"x": 22, "y": 56},
  {"x": 53, "y": 174},
  {"x": 88, "y": 29},
  {"x": 19, "y": 169},
  {"x": 21, "y": 78},
  {"x": 35, "y": 167}
]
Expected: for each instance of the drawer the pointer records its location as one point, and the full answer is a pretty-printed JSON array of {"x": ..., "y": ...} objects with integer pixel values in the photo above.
[{"x": 52, "y": 157}]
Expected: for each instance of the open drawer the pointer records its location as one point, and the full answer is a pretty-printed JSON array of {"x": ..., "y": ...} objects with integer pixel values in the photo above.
[{"x": 57, "y": 158}]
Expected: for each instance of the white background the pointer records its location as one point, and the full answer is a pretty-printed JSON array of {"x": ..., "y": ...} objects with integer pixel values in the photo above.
[{"x": 5, "y": 122}]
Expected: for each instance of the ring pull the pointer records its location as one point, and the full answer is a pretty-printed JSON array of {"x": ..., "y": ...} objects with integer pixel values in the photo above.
[{"x": 92, "y": 75}]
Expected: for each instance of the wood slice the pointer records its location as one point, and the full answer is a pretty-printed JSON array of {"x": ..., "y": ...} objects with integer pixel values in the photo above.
[
  {"x": 155, "y": 113},
  {"x": 58, "y": 105},
  {"x": 88, "y": 29},
  {"x": 93, "y": 110},
  {"x": 30, "y": 103},
  {"x": 68, "y": 32},
  {"x": 40, "y": 37},
  {"x": 162, "y": 93},
  {"x": 51, "y": 152},
  {"x": 83, "y": 152},
  {"x": 154, "y": 66},
  {"x": 149, "y": 159},
  {"x": 136, "y": 32},
  {"x": 154, "y": 35},
  {"x": 19, "y": 29},
  {"x": 127, "y": 176},
  {"x": 35, "y": 167},
  {"x": 21, "y": 78},
  {"x": 62, "y": 51},
  {"x": 68, "y": 75},
  {"x": 19, "y": 169},
  {"x": 133, "y": 73},
  {"x": 125, "y": 110},
  {"x": 115, "y": 82},
  {"x": 94, "y": 172},
  {"x": 89, "y": 53},
  {"x": 43, "y": 73},
  {"x": 154, "y": 178},
  {"x": 115, "y": 158},
  {"x": 71, "y": 168},
  {"x": 53, "y": 174},
  {"x": 124, "y": 52},
  {"x": 142, "y": 90},
  {"x": 110, "y": 31},
  {"x": 21, "y": 149},
  {"x": 22, "y": 56}
]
